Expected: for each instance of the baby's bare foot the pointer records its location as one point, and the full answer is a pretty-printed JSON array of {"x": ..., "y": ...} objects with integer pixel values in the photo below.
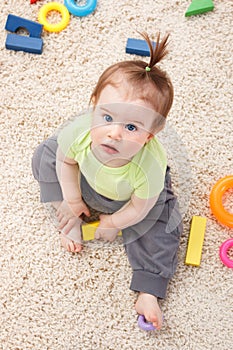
[
  {"x": 70, "y": 245},
  {"x": 72, "y": 240},
  {"x": 148, "y": 306}
]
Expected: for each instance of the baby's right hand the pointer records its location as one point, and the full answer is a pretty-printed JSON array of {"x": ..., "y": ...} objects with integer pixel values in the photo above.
[{"x": 68, "y": 212}]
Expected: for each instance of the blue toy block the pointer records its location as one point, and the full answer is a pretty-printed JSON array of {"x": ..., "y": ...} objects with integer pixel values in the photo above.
[
  {"x": 13, "y": 23},
  {"x": 24, "y": 43},
  {"x": 138, "y": 47}
]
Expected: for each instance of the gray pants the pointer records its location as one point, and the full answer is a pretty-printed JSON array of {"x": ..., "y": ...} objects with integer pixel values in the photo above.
[{"x": 151, "y": 245}]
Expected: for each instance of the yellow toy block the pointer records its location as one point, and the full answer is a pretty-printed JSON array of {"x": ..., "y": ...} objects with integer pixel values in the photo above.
[
  {"x": 196, "y": 239},
  {"x": 88, "y": 230}
]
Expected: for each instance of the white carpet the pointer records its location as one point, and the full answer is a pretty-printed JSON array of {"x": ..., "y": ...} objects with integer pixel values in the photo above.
[{"x": 53, "y": 300}]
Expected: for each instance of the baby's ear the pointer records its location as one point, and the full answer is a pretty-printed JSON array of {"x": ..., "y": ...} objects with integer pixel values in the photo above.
[{"x": 149, "y": 137}]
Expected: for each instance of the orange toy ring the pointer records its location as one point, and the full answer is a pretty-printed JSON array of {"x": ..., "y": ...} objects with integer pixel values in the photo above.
[{"x": 221, "y": 214}]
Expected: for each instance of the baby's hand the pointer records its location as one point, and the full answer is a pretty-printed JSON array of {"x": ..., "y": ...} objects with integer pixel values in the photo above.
[
  {"x": 78, "y": 207},
  {"x": 106, "y": 230},
  {"x": 68, "y": 212}
]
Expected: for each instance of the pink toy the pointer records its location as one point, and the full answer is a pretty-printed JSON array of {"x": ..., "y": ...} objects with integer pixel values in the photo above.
[{"x": 223, "y": 252}]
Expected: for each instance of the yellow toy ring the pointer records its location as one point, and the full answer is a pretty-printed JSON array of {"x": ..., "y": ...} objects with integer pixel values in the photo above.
[
  {"x": 221, "y": 214},
  {"x": 54, "y": 6}
]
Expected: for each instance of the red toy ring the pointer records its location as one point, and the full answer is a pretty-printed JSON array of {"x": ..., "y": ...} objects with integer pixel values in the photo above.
[{"x": 221, "y": 214}]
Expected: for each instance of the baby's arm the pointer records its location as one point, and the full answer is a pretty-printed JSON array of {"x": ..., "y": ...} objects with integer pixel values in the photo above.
[
  {"x": 68, "y": 174},
  {"x": 133, "y": 212}
]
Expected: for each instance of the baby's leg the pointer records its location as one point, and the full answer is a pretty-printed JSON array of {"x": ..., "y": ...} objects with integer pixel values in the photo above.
[
  {"x": 148, "y": 306},
  {"x": 44, "y": 171},
  {"x": 72, "y": 240},
  {"x": 152, "y": 246}
]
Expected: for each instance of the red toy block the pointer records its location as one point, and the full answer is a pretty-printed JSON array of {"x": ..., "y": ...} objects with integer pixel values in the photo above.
[{"x": 33, "y": 1}]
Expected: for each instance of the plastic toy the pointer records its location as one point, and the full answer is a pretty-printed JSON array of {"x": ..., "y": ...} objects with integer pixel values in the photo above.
[
  {"x": 144, "y": 325},
  {"x": 88, "y": 231},
  {"x": 199, "y": 6},
  {"x": 33, "y": 1},
  {"x": 216, "y": 205},
  {"x": 23, "y": 43},
  {"x": 78, "y": 10},
  {"x": 196, "y": 238},
  {"x": 223, "y": 253},
  {"x": 13, "y": 23},
  {"x": 54, "y": 6},
  {"x": 137, "y": 47},
  {"x": 32, "y": 43}
]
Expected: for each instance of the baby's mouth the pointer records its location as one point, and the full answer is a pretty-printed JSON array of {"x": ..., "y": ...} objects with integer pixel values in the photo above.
[{"x": 109, "y": 149}]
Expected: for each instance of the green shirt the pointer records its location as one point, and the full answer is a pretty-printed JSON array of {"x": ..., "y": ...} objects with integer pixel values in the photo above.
[{"x": 143, "y": 175}]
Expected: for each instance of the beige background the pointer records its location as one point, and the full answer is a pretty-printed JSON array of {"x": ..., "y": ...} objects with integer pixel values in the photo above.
[{"x": 50, "y": 299}]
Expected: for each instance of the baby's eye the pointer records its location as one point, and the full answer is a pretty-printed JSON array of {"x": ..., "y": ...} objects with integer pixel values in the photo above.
[
  {"x": 108, "y": 118},
  {"x": 131, "y": 127}
]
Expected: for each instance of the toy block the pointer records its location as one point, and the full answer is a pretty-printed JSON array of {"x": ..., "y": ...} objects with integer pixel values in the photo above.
[
  {"x": 196, "y": 239},
  {"x": 199, "y": 6},
  {"x": 13, "y": 23},
  {"x": 33, "y": 1},
  {"x": 88, "y": 231},
  {"x": 24, "y": 43},
  {"x": 138, "y": 47}
]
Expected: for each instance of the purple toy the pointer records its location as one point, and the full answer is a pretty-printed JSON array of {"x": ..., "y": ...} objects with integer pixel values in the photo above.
[{"x": 144, "y": 325}]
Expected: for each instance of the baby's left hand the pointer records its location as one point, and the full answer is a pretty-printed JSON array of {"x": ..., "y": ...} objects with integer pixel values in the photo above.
[{"x": 106, "y": 230}]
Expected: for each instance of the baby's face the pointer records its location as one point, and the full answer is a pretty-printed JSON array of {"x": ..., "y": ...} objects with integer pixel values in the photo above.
[{"x": 121, "y": 126}]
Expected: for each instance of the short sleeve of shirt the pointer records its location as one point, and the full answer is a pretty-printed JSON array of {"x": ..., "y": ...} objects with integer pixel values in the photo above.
[
  {"x": 150, "y": 169},
  {"x": 71, "y": 139}
]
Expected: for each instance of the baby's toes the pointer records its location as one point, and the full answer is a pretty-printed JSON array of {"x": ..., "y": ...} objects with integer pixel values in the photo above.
[
  {"x": 70, "y": 245},
  {"x": 74, "y": 247},
  {"x": 77, "y": 248},
  {"x": 67, "y": 243}
]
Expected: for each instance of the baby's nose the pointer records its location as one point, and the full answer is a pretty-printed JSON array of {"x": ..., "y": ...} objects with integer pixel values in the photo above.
[{"x": 115, "y": 131}]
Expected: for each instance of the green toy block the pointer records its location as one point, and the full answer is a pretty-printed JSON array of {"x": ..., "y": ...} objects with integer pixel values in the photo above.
[{"x": 199, "y": 6}]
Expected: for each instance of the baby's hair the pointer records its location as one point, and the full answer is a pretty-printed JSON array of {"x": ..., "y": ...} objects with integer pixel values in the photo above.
[
  {"x": 157, "y": 51},
  {"x": 147, "y": 81}
]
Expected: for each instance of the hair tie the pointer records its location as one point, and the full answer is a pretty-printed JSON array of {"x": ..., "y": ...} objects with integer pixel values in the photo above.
[{"x": 148, "y": 69}]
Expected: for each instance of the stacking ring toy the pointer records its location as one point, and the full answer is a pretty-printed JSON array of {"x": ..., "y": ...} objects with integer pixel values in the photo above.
[
  {"x": 54, "y": 6},
  {"x": 223, "y": 253},
  {"x": 80, "y": 11},
  {"x": 144, "y": 325},
  {"x": 221, "y": 214}
]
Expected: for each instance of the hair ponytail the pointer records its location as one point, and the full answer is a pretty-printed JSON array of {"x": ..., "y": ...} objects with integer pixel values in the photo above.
[{"x": 157, "y": 51}]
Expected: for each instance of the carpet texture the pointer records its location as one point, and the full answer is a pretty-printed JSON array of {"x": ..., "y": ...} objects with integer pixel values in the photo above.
[{"x": 53, "y": 300}]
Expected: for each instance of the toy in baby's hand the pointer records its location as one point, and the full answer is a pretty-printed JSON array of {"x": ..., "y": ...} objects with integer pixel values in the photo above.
[
  {"x": 88, "y": 230},
  {"x": 144, "y": 325}
]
